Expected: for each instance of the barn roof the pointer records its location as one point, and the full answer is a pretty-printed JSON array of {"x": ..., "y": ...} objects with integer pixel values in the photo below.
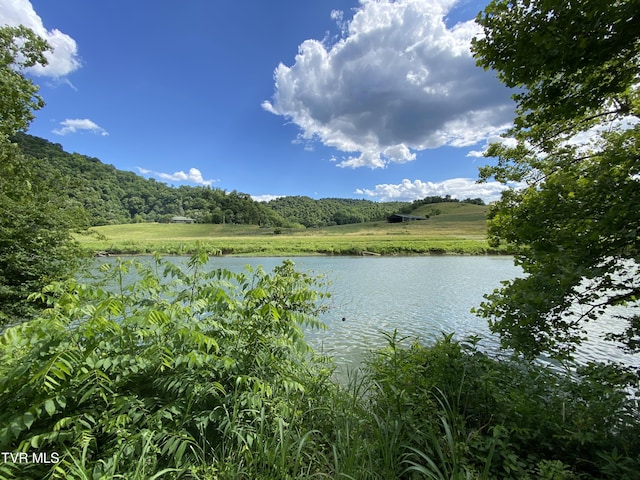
[{"x": 401, "y": 217}]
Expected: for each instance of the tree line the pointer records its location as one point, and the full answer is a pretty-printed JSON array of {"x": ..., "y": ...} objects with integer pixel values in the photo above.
[{"x": 111, "y": 196}]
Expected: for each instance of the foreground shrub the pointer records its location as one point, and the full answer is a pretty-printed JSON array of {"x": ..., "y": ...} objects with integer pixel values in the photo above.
[
  {"x": 475, "y": 416},
  {"x": 170, "y": 375}
]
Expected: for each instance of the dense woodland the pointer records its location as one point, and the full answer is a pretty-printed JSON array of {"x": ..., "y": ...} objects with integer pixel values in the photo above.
[{"x": 112, "y": 196}]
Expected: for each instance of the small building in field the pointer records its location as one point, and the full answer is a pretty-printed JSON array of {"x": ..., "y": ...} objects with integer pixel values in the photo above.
[
  {"x": 181, "y": 220},
  {"x": 400, "y": 217}
]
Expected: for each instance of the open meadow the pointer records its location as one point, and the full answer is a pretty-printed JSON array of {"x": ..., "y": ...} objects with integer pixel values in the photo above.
[{"x": 452, "y": 228}]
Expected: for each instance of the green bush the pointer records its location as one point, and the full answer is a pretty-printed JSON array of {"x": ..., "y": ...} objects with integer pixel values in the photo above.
[
  {"x": 175, "y": 373},
  {"x": 506, "y": 418}
]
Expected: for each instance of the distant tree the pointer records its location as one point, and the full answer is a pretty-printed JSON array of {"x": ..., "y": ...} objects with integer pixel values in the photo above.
[
  {"x": 575, "y": 225},
  {"x": 473, "y": 201},
  {"x": 36, "y": 246}
]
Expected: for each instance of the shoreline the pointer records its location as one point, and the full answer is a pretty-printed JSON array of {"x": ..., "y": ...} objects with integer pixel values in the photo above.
[
  {"x": 375, "y": 239},
  {"x": 284, "y": 254}
]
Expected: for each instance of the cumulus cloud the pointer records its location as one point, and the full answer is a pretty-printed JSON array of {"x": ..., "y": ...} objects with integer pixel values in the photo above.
[
  {"x": 63, "y": 59},
  {"x": 76, "y": 125},
  {"x": 399, "y": 80},
  {"x": 265, "y": 198},
  {"x": 194, "y": 176},
  {"x": 460, "y": 188}
]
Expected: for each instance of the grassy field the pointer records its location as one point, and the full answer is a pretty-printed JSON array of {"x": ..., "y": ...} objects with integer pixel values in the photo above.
[{"x": 453, "y": 228}]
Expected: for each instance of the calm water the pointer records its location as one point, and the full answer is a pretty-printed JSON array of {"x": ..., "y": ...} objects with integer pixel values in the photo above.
[{"x": 420, "y": 297}]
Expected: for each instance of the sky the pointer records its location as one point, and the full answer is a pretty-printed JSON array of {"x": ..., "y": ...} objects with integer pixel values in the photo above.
[{"x": 371, "y": 99}]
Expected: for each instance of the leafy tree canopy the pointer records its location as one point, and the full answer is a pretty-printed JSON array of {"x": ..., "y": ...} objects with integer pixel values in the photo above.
[
  {"x": 20, "y": 48},
  {"x": 35, "y": 222},
  {"x": 572, "y": 62},
  {"x": 575, "y": 221}
]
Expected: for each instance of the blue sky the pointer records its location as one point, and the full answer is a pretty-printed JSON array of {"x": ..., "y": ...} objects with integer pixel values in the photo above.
[{"x": 327, "y": 98}]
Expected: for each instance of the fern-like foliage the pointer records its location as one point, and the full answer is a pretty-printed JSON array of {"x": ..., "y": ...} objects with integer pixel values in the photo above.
[{"x": 126, "y": 378}]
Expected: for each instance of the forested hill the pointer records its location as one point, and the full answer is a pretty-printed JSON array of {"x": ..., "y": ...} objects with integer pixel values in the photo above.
[{"x": 112, "y": 196}]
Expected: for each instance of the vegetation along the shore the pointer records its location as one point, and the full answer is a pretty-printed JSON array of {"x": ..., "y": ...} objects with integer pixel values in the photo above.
[{"x": 206, "y": 374}]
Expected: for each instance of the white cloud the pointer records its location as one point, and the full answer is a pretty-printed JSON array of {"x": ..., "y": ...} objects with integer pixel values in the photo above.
[
  {"x": 506, "y": 141},
  {"x": 398, "y": 81},
  {"x": 63, "y": 59},
  {"x": 460, "y": 188},
  {"x": 194, "y": 176},
  {"x": 75, "y": 125},
  {"x": 265, "y": 198}
]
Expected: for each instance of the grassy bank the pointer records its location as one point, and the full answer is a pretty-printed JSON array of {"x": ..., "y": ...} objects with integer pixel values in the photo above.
[{"x": 451, "y": 229}]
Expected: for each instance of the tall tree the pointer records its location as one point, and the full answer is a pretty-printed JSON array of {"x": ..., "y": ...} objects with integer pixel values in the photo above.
[
  {"x": 36, "y": 246},
  {"x": 574, "y": 221}
]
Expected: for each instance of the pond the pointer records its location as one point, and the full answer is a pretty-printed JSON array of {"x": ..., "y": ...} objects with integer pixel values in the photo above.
[{"x": 421, "y": 297}]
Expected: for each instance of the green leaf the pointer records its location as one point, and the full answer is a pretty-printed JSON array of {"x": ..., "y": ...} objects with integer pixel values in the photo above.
[
  {"x": 50, "y": 407},
  {"x": 17, "y": 426},
  {"x": 28, "y": 419}
]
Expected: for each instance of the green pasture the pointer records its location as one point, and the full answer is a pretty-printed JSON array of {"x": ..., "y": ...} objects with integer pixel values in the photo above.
[{"x": 452, "y": 228}]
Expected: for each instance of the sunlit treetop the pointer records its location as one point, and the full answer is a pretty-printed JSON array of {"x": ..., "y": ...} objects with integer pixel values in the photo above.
[
  {"x": 571, "y": 62},
  {"x": 20, "y": 49}
]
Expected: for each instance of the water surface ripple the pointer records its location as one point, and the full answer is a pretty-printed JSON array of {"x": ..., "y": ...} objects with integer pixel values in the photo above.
[{"x": 421, "y": 297}]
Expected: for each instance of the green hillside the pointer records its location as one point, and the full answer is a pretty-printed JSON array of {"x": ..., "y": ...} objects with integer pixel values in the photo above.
[{"x": 112, "y": 197}]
